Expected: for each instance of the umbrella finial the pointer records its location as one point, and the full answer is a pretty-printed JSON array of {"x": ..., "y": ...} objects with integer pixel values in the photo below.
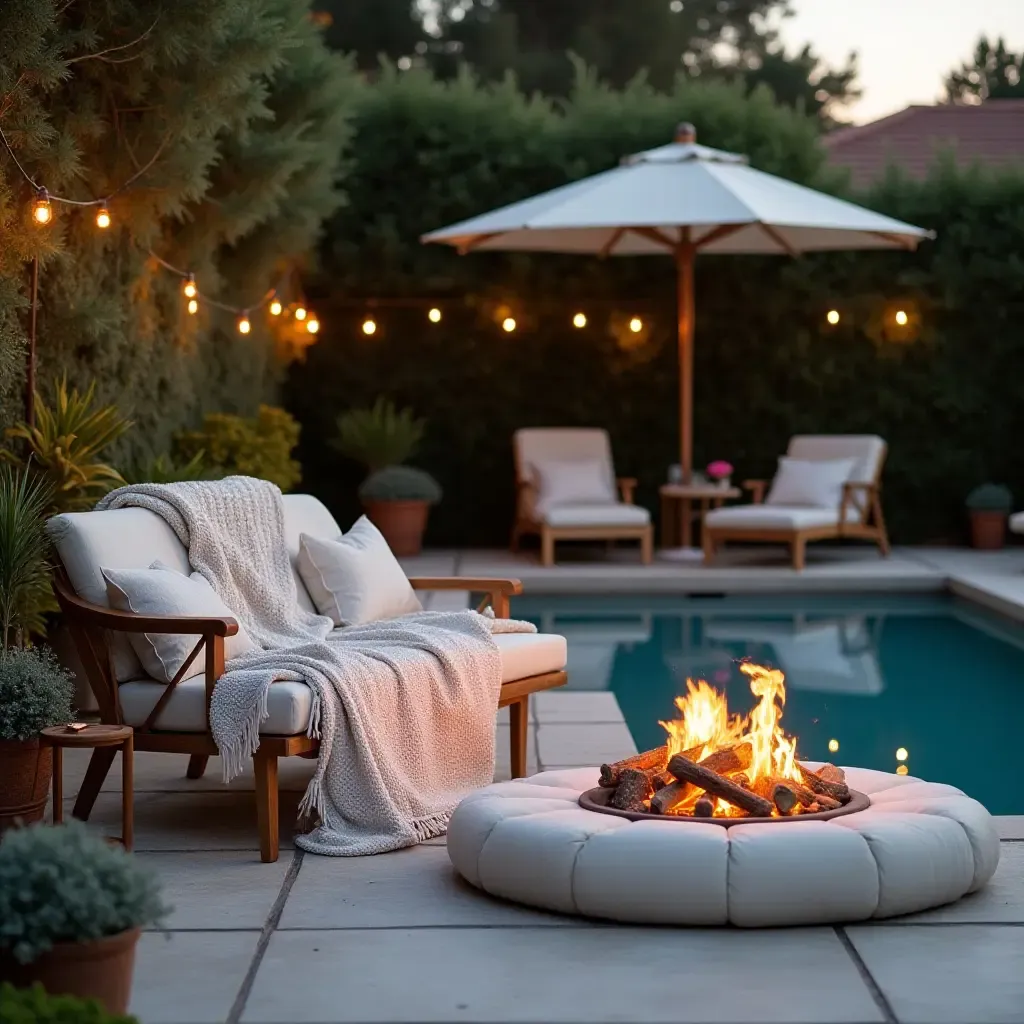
[{"x": 685, "y": 132}]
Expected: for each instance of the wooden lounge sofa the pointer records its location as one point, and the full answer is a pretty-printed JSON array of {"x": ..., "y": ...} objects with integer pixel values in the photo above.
[
  {"x": 857, "y": 512},
  {"x": 604, "y": 510},
  {"x": 174, "y": 717}
]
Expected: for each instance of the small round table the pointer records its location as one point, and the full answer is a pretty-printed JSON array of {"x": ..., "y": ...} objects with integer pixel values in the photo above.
[
  {"x": 79, "y": 735},
  {"x": 677, "y": 512}
]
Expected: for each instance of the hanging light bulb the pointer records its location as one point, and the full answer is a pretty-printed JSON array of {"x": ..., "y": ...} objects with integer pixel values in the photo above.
[
  {"x": 300, "y": 313},
  {"x": 832, "y": 316},
  {"x": 103, "y": 218},
  {"x": 189, "y": 287},
  {"x": 434, "y": 316},
  {"x": 579, "y": 320},
  {"x": 312, "y": 325},
  {"x": 369, "y": 326},
  {"x": 42, "y": 213},
  {"x": 193, "y": 306},
  {"x": 275, "y": 308},
  {"x": 833, "y": 746},
  {"x": 636, "y": 325},
  {"x": 508, "y": 324},
  {"x": 901, "y": 318},
  {"x": 244, "y": 327}
]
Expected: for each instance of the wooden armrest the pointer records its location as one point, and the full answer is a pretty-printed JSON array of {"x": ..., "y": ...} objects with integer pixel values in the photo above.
[
  {"x": 497, "y": 591},
  {"x": 859, "y": 485},
  {"x": 756, "y": 488},
  {"x": 627, "y": 485}
]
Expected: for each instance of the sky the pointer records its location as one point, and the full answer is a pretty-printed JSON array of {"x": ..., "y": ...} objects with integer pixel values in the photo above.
[{"x": 905, "y": 47}]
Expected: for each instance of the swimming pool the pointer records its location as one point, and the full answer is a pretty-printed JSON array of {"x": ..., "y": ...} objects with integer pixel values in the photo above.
[{"x": 936, "y": 676}]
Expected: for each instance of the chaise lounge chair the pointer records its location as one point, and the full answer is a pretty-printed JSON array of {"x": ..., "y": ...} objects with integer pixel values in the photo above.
[
  {"x": 839, "y": 499},
  {"x": 566, "y": 490},
  {"x": 174, "y": 717}
]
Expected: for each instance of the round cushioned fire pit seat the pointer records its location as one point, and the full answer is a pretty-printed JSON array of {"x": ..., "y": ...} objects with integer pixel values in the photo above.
[{"x": 919, "y": 845}]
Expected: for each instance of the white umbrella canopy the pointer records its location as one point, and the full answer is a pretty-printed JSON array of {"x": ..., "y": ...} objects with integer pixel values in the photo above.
[{"x": 680, "y": 200}]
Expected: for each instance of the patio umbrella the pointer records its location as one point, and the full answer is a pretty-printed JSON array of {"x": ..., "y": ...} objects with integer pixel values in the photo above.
[{"x": 681, "y": 199}]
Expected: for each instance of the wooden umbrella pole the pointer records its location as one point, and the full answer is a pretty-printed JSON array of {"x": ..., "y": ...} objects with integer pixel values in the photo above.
[{"x": 685, "y": 254}]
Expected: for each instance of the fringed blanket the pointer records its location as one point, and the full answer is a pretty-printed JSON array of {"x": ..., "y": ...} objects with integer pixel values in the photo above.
[{"x": 404, "y": 709}]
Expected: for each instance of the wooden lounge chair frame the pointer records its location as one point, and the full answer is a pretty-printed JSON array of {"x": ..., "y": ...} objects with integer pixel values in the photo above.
[
  {"x": 89, "y": 624},
  {"x": 870, "y": 525}
]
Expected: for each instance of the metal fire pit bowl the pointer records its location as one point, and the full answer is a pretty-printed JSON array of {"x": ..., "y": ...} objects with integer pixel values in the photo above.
[{"x": 597, "y": 800}]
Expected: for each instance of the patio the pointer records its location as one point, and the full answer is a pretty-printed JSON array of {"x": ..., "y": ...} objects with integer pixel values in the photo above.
[{"x": 319, "y": 940}]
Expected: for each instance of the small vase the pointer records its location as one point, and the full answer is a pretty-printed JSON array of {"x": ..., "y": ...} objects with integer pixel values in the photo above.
[{"x": 988, "y": 530}]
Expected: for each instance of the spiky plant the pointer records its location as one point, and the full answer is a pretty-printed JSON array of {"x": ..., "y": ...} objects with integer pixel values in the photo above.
[
  {"x": 24, "y": 553},
  {"x": 165, "y": 469},
  {"x": 65, "y": 446},
  {"x": 380, "y": 436}
]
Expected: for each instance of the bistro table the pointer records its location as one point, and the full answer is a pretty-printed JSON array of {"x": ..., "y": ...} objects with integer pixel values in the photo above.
[{"x": 678, "y": 513}]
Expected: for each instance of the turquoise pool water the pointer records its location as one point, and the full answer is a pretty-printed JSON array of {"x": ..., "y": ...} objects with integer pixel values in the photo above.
[{"x": 936, "y": 676}]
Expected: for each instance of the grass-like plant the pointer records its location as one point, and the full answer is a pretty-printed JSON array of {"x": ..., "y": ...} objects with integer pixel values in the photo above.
[
  {"x": 36, "y": 692},
  {"x": 165, "y": 469},
  {"x": 380, "y": 436},
  {"x": 64, "y": 884},
  {"x": 24, "y": 553},
  {"x": 400, "y": 483},
  {"x": 36, "y": 1006}
]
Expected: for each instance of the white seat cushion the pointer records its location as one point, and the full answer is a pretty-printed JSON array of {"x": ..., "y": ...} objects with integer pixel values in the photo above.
[
  {"x": 812, "y": 483},
  {"x": 1017, "y": 522},
  {"x": 289, "y": 703},
  {"x": 610, "y": 514},
  {"x": 574, "y": 482},
  {"x": 770, "y": 517}
]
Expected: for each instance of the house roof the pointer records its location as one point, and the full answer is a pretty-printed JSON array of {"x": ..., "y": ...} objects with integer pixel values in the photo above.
[{"x": 991, "y": 133}]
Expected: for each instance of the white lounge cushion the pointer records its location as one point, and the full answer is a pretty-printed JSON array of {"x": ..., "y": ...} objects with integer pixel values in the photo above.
[
  {"x": 610, "y": 514},
  {"x": 770, "y": 517},
  {"x": 355, "y": 578},
  {"x": 289, "y": 703},
  {"x": 811, "y": 483},
  {"x": 1017, "y": 522},
  {"x": 867, "y": 449},
  {"x": 573, "y": 482},
  {"x": 537, "y": 446},
  {"x": 159, "y": 590}
]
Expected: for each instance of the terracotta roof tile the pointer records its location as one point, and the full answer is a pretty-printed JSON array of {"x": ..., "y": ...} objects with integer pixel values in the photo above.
[{"x": 991, "y": 133}]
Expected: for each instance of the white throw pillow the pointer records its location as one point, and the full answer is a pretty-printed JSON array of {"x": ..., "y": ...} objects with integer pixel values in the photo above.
[
  {"x": 810, "y": 483},
  {"x": 160, "y": 590},
  {"x": 574, "y": 482},
  {"x": 356, "y": 578}
]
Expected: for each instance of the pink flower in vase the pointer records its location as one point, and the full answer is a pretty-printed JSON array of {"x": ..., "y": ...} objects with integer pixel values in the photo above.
[{"x": 719, "y": 470}]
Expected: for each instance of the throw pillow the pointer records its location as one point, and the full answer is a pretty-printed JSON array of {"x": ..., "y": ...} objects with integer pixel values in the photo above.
[
  {"x": 356, "y": 578},
  {"x": 810, "y": 483},
  {"x": 574, "y": 482},
  {"x": 160, "y": 590}
]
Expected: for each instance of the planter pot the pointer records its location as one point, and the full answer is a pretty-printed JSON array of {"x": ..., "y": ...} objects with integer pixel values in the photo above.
[
  {"x": 26, "y": 767},
  {"x": 988, "y": 530},
  {"x": 401, "y": 522},
  {"x": 100, "y": 969}
]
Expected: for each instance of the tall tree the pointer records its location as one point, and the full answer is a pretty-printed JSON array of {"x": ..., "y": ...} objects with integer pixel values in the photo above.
[{"x": 993, "y": 73}]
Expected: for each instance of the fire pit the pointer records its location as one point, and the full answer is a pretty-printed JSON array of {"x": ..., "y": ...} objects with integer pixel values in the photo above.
[{"x": 642, "y": 840}]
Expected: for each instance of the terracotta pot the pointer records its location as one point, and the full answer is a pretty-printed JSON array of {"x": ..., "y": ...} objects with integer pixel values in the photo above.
[
  {"x": 26, "y": 767},
  {"x": 401, "y": 522},
  {"x": 988, "y": 530},
  {"x": 100, "y": 969}
]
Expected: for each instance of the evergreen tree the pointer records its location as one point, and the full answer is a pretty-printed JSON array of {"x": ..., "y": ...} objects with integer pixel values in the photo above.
[
  {"x": 227, "y": 118},
  {"x": 993, "y": 73}
]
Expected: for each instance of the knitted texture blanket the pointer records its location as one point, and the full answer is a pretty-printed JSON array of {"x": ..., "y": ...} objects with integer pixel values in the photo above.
[{"x": 404, "y": 709}]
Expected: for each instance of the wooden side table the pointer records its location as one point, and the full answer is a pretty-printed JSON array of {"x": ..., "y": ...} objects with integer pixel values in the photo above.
[
  {"x": 91, "y": 737},
  {"x": 677, "y": 512}
]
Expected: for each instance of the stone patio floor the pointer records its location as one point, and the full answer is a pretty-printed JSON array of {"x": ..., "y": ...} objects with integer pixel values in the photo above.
[{"x": 399, "y": 938}]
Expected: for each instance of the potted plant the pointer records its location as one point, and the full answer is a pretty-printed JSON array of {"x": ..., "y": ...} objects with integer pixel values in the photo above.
[
  {"x": 397, "y": 498},
  {"x": 35, "y": 1006},
  {"x": 989, "y": 506},
  {"x": 71, "y": 909}
]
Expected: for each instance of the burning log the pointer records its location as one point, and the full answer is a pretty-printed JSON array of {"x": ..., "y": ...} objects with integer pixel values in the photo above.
[
  {"x": 669, "y": 797},
  {"x": 632, "y": 791},
  {"x": 784, "y": 798},
  {"x": 741, "y": 779},
  {"x": 823, "y": 787},
  {"x": 611, "y": 774},
  {"x": 659, "y": 780},
  {"x": 704, "y": 807},
  {"x": 830, "y": 773},
  {"x": 728, "y": 761},
  {"x": 714, "y": 784}
]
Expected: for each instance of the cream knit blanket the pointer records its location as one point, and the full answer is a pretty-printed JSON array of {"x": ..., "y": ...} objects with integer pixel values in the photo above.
[{"x": 404, "y": 709}]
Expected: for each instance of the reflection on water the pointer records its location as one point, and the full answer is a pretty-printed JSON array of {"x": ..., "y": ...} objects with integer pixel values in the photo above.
[{"x": 934, "y": 676}]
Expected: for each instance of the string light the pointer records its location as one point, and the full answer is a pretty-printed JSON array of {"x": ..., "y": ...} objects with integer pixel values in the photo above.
[
  {"x": 901, "y": 317},
  {"x": 369, "y": 326},
  {"x": 636, "y": 325},
  {"x": 508, "y": 324},
  {"x": 901, "y": 754},
  {"x": 189, "y": 287},
  {"x": 300, "y": 313},
  {"x": 312, "y": 325},
  {"x": 902, "y": 770},
  {"x": 193, "y": 306},
  {"x": 103, "y": 218},
  {"x": 833, "y": 746},
  {"x": 579, "y": 320},
  {"x": 244, "y": 327},
  {"x": 434, "y": 315},
  {"x": 832, "y": 316},
  {"x": 42, "y": 212},
  {"x": 275, "y": 308}
]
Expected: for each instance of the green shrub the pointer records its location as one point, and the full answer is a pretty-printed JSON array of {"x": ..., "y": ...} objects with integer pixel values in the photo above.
[
  {"x": 24, "y": 554},
  {"x": 260, "y": 447},
  {"x": 64, "y": 884},
  {"x": 990, "y": 498},
  {"x": 35, "y": 1006},
  {"x": 35, "y": 692},
  {"x": 400, "y": 483},
  {"x": 379, "y": 436}
]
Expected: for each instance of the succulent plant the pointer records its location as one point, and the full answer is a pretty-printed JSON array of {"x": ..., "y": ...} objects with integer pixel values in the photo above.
[
  {"x": 35, "y": 692},
  {"x": 400, "y": 483},
  {"x": 380, "y": 436},
  {"x": 64, "y": 884},
  {"x": 36, "y": 1006},
  {"x": 990, "y": 498}
]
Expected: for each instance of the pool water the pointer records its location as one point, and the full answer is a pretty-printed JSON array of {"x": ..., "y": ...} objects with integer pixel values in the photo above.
[{"x": 936, "y": 676}]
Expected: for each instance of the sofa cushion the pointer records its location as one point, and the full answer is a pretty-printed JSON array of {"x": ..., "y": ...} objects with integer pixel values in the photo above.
[
  {"x": 573, "y": 482},
  {"x": 810, "y": 483},
  {"x": 536, "y": 446},
  {"x": 355, "y": 578},
  {"x": 289, "y": 703},
  {"x": 770, "y": 517},
  {"x": 609, "y": 514},
  {"x": 162, "y": 591},
  {"x": 305, "y": 514}
]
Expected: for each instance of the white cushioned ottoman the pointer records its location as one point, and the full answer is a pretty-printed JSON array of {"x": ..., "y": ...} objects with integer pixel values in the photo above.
[{"x": 918, "y": 845}]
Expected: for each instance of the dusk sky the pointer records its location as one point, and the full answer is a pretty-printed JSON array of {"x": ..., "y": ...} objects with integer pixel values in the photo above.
[{"x": 905, "y": 46}]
